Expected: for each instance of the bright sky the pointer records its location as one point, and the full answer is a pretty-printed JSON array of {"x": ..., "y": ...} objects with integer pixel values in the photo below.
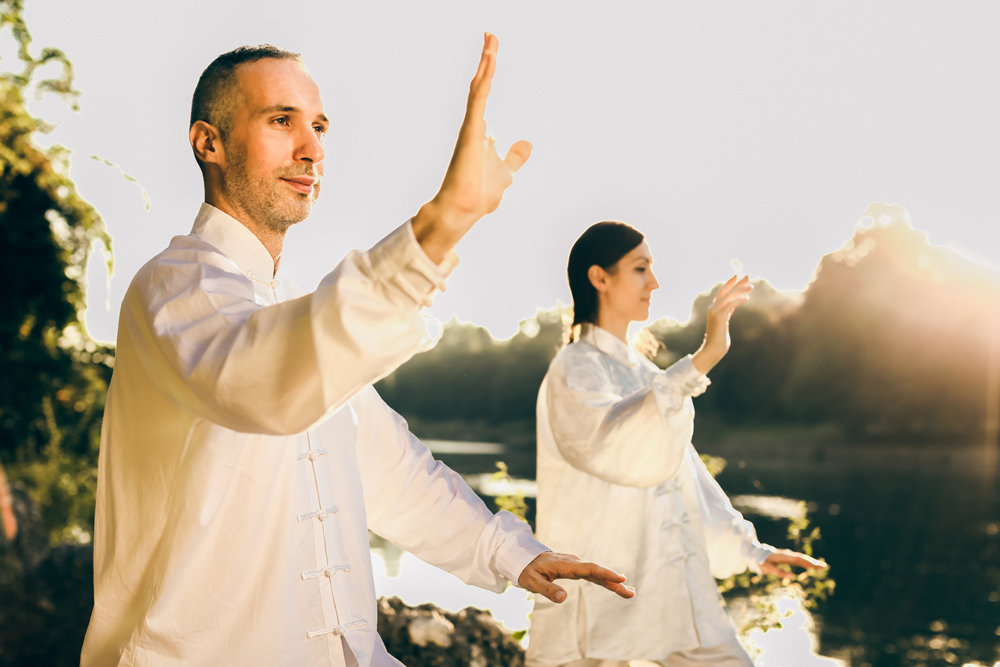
[{"x": 746, "y": 131}]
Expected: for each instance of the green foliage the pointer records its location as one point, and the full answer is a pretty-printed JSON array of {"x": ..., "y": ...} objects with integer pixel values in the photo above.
[
  {"x": 809, "y": 586},
  {"x": 715, "y": 464},
  {"x": 763, "y": 589},
  {"x": 513, "y": 502},
  {"x": 55, "y": 376}
]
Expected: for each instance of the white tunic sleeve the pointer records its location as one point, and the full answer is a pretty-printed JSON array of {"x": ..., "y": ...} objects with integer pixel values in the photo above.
[
  {"x": 428, "y": 509},
  {"x": 277, "y": 369},
  {"x": 635, "y": 440},
  {"x": 731, "y": 539}
]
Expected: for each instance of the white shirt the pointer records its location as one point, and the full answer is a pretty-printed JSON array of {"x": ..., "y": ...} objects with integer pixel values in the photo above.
[
  {"x": 619, "y": 483},
  {"x": 245, "y": 455}
]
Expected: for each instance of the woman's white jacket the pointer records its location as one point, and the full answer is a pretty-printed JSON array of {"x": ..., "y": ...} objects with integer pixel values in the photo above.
[{"x": 620, "y": 483}]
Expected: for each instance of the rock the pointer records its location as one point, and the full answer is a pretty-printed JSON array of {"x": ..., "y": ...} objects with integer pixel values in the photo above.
[
  {"x": 428, "y": 636},
  {"x": 431, "y": 629}
]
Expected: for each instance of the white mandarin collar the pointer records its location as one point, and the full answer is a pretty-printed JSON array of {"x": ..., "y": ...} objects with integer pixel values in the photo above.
[
  {"x": 608, "y": 343},
  {"x": 234, "y": 240}
]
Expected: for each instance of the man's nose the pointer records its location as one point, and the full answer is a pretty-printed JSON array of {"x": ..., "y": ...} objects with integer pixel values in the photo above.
[{"x": 310, "y": 148}]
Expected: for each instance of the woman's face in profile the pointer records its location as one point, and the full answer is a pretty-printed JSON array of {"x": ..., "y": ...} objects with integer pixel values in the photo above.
[{"x": 629, "y": 287}]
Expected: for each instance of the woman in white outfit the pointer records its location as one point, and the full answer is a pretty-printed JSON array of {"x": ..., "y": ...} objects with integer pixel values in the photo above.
[{"x": 620, "y": 483}]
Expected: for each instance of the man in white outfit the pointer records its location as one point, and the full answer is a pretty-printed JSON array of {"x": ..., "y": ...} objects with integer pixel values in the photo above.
[{"x": 244, "y": 453}]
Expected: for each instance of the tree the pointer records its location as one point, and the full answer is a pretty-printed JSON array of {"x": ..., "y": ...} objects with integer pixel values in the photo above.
[
  {"x": 893, "y": 336},
  {"x": 54, "y": 375}
]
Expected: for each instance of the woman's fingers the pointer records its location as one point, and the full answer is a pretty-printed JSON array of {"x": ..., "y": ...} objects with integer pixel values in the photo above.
[
  {"x": 727, "y": 303},
  {"x": 732, "y": 286},
  {"x": 732, "y": 303},
  {"x": 725, "y": 288},
  {"x": 795, "y": 559}
]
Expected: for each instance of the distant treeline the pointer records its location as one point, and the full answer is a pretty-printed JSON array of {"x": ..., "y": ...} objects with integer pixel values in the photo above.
[{"x": 892, "y": 339}]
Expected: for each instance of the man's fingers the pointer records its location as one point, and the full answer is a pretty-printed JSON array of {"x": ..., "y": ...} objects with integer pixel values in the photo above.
[
  {"x": 592, "y": 571},
  {"x": 538, "y": 576},
  {"x": 517, "y": 155},
  {"x": 550, "y": 590},
  {"x": 480, "y": 88},
  {"x": 621, "y": 589}
]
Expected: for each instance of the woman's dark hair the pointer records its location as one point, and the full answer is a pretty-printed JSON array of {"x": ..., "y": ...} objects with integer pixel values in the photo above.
[{"x": 602, "y": 244}]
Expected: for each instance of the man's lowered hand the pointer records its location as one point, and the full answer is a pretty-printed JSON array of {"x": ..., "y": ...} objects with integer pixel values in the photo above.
[{"x": 538, "y": 576}]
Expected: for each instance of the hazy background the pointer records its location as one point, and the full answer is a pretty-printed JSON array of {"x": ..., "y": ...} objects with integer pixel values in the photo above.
[
  {"x": 724, "y": 130},
  {"x": 869, "y": 402}
]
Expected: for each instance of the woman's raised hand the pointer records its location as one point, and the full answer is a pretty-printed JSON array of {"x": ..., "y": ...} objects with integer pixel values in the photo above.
[
  {"x": 476, "y": 178},
  {"x": 732, "y": 295}
]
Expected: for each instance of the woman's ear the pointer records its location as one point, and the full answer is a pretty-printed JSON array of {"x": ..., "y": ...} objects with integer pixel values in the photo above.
[{"x": 598, "y": 278}]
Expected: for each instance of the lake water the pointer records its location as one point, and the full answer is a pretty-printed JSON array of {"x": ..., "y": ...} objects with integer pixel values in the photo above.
[{"x": 912, "y": 535}]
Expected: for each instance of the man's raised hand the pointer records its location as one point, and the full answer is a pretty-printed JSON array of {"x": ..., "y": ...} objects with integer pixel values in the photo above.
[
  {"x": 538, "y": 576},
  {"x": 476, "y": 178}
]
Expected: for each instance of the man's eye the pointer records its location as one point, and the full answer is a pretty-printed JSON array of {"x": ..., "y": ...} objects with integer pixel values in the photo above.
[
  {"x": 640, "y": 269},
  {"x": 320, "y": 129},
  {"x": 282, "y": 120}
]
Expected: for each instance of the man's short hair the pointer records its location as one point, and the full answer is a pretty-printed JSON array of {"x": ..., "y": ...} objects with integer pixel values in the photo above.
[{"x": 217, "y": 93}]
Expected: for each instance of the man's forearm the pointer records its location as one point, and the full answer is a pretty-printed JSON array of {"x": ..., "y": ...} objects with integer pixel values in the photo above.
[{"x": 438, "y": 229}]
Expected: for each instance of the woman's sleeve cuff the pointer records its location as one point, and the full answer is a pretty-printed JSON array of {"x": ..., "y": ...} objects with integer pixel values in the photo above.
[
  {"x": 761, "y": 552},
  {"x": 677, "y": 382}
]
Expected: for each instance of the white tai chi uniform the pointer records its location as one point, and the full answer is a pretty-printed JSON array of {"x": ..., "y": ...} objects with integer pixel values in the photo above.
[
  {"x": 619, "y": 483},
  {"x": 245, "y": 455}
]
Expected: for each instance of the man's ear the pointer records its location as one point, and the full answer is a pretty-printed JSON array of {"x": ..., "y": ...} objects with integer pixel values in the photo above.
[
  {"x": 206, "y": 142},
  {"x": 598, "y": 278}
]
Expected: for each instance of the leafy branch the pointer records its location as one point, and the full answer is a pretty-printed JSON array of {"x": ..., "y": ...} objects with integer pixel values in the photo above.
[{"x": 762, "y": 590}]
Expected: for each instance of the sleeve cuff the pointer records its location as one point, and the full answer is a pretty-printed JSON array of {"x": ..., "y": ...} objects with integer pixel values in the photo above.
[
  {"x": 759, "y": 554},
  {"x": 398, "y": 259},
  {"x": 518, "y": 550},
  {"x": 678, "y": 382}
]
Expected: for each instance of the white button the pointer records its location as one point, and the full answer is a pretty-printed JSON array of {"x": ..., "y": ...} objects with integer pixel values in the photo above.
[
  {"x": 321, "y": 515},
  {"x": 329, "y": 571},
  {"x": 313, "y": 455}
]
